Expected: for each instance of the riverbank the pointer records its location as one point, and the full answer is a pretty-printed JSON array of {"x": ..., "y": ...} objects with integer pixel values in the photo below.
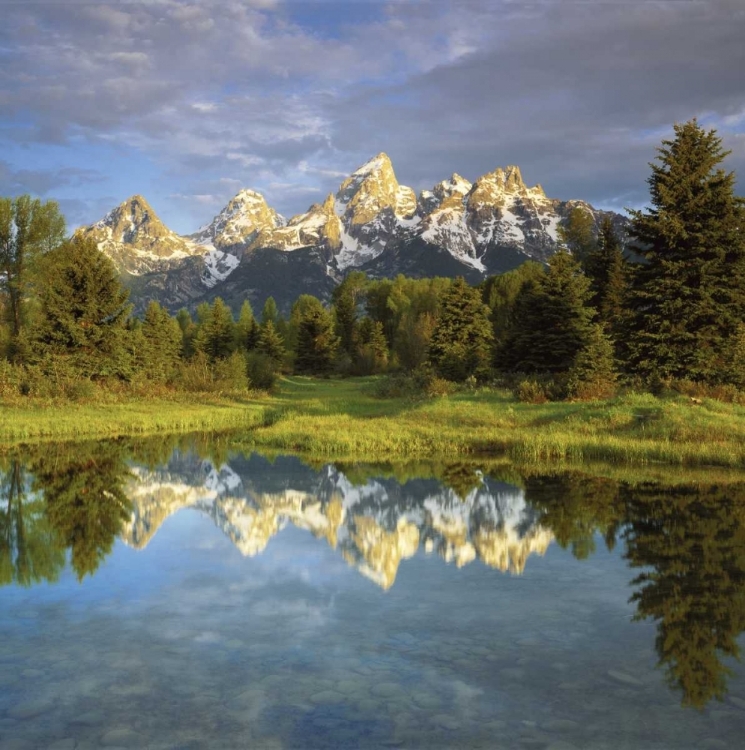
[
  {"x": 343, "y": 419},
  {"x": 39, "y": 422}
]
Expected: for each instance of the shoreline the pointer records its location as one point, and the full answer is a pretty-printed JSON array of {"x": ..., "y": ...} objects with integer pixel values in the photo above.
[{"x": 343, "y": 420}]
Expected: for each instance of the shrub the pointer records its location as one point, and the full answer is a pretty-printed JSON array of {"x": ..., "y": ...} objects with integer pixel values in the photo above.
[
  {"x": 531, "y": 392},
  {"x": 230, "y": 373},
  {"x": 262, "y": 373}
]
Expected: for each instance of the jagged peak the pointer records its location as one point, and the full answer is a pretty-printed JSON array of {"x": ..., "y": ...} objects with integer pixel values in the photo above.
[
  {"x": 137, "y": 211},
  {"x": 509, "y": 180},
  {"x": 248, "y": 195},
  {"x": 456, "y": 184},
  {"x": 376, "y": 164}
]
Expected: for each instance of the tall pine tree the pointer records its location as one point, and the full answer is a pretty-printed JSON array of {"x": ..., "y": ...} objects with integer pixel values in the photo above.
[
  {"x": 688, "y": 297},
  {"x": 317, "y": 343},
  {"x": 605, "y": 266},
  {"x": 552, "y": 321},
  {"x": 461, "y": 342}
]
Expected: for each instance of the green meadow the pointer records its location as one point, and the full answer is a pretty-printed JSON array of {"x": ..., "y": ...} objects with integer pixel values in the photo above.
[{"x": 344, "y": 419}]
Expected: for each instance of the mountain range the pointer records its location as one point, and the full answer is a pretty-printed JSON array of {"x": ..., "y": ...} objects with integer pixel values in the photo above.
[
  {"x": 374, "y": 526},
  {"x": 372, "y": 224}
]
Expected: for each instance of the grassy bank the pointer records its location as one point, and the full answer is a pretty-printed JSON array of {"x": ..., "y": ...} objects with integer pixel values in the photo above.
[
  {"x": 342, "y": 419},
  {"x": 60, "y": 422}
]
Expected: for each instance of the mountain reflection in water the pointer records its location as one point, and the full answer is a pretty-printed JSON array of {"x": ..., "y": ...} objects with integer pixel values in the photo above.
[{"x": 684, "y": 543}]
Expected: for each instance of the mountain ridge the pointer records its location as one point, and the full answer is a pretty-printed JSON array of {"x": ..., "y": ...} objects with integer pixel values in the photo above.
[{"x": 372, "y": 223}]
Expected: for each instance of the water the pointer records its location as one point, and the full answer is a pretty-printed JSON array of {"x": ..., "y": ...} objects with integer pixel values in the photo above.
[{"x": 219, "y": 600}]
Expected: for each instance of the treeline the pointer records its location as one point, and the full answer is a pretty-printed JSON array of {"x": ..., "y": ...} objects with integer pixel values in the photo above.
[{"x": 576, "y": 328}]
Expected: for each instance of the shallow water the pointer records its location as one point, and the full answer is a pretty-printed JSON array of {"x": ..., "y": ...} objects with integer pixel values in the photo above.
[{"x": 237, "y": 602}]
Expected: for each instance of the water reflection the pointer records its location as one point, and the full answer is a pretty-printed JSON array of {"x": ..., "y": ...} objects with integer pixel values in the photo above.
[
  {"x": 685, "y": 542},
  {"x": 375, "y": 523}
]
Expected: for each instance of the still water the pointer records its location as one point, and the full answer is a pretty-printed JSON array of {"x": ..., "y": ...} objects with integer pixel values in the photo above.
[{"x": 189, "y": 596}]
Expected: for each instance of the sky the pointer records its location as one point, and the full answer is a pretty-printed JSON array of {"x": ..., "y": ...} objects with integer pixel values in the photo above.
[{"x": 188, "y": 102}]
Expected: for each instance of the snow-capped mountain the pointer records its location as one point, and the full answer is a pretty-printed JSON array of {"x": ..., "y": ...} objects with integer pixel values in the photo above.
[
  {"x": 140, "y": 244},
  {"x": 374, "y": 526},
  {"x": 239, "y": 223},
  {"x": 371, "y": 223}
]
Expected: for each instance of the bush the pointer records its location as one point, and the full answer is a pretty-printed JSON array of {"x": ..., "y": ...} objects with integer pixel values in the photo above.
[
  {"x": 725, "y": 392},
  {"x": 262, "y": 372},
  {"x": 227, "y": 374},
  {"x": 423, "y": 381},
  {"x": 531, "y": 392},
  {"x": 230, "y": 373}
]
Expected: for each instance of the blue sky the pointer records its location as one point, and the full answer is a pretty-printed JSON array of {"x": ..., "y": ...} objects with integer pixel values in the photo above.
[{"x": 186, "y": 102}]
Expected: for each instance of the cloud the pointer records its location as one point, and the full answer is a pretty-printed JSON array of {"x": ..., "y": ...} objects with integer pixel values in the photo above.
[
  {"x": 268, "y": 94},
  {"x": 41, "y": 182}
]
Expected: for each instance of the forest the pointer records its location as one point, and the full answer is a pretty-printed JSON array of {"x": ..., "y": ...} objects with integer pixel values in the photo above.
[{"x": 663, "y": 307}]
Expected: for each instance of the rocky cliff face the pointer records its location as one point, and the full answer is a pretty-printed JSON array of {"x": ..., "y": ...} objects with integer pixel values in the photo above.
[
  {"x": 372, "y": 223},
  {"x": 374, "y": 526},
  {"x": 245, "y": 217},
  {"x": 136, "y": 239}
]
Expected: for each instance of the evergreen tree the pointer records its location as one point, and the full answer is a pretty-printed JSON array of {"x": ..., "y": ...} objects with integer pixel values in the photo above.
[
  {"x": 270, "y": 343},
  {"x": 317, "y": 343},
  {"x": 247, "y": 329},
  {"x": 413, "y": 336},
  {"x": 606, "y": 268},
  {"x": 346, "y": 298},
  {"x": 162, "y": 342},
  {"x": 216, "y": 334},
  {"x": 688, "y": 297},
  {"x": 28, "y": 229},
  {"x": 461, "y": 342},
  {"x": 501, "y": 293},
  {"x": 84, "y": 310},
  {"x": 552, "y": 321},
  {"x": 269, "y": 312},
  {"x": 577, "y": 233},
  {"x": 188, "y": 332},
  {"x": 593, "y": 374},
  {"x": 372, "y": 356}
]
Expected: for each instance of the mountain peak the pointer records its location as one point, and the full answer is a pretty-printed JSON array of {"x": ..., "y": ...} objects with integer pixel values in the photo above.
[
  {"x": 379, "y": 162},
  {"x": 240, "y": 222}
]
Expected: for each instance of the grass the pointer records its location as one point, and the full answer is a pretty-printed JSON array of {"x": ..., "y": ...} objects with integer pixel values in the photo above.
[
  {"x": 343, "y": 420},
  {"x": 59, "y": 422}
]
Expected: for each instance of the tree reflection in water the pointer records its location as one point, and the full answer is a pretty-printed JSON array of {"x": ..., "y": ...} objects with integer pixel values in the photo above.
[{"x": 690, "y": 541}]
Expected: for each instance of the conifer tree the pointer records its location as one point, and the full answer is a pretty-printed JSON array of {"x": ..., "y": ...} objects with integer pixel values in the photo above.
[
  {"x": 162, "y": 342},
  {"x": 317, "y": 343},
  {"x": 593, "y": 374},
  {"x": 688, "y": 297},
  {"x": 246, "y": 329},
  {"x": 606, "y": 268},
  {"x": 84, "y": 310},
  {"x": 501, "y": 293},
  {"x": 216, "y": 335},
  {"x": 188, "y": 332},
  {"x": 269, "y": 312},
  {"x": 346, "y": 297},
  {"x": 461, "y": 342},
  {"x": 552, "y": 321},
  {"x": 373, "y": 347},
  {"x": 577, "y": 233},
  {"x": 270, "y": 343}
]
